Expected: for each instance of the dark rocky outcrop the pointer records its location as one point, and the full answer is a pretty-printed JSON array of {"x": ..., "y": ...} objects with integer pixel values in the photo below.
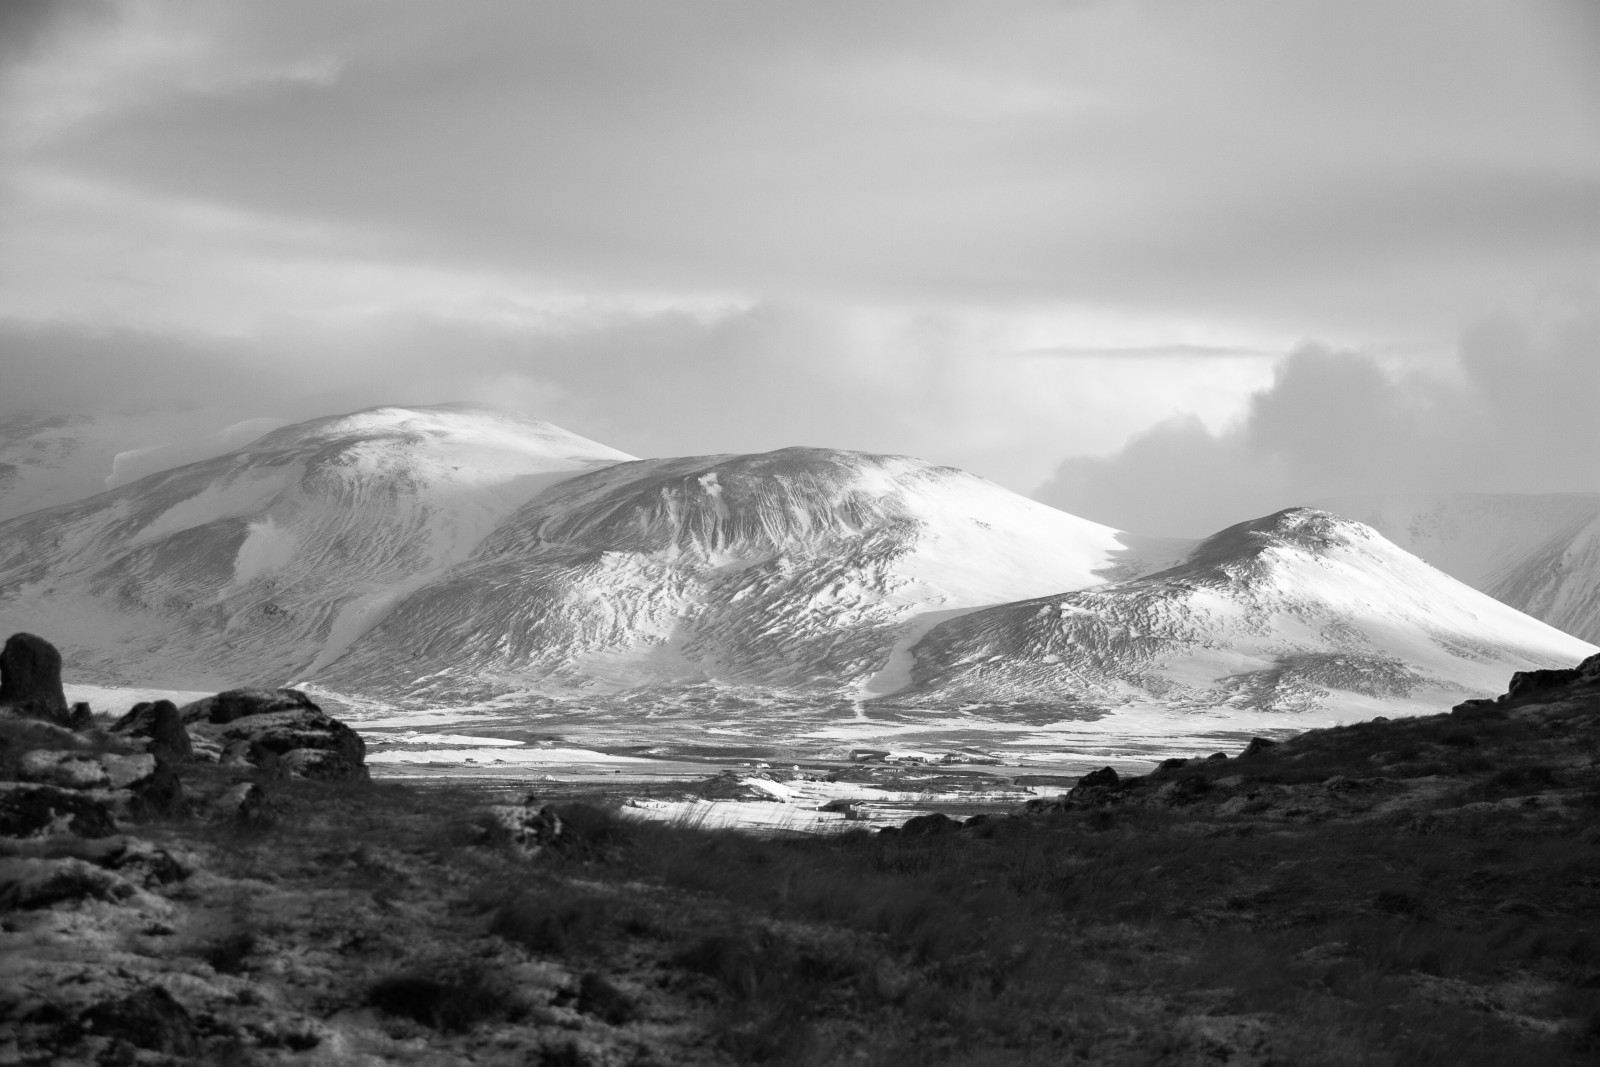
[
  {"x": 161, "y": 723},
  {"x": 30, "y": 679},
  {"x": 279, "y": 730},
  {"x": 1105, "y": 776},
  {"x": 235, "y": 704},
  {"x": 159, "y": 795},
  {"x": 1537, "y": 686},
  {"x": 929, "y": 825},
  {"x": 31, "y": 810},
  {"x": 1257, "y": 745},
  {"x": 80, "y": 717}
]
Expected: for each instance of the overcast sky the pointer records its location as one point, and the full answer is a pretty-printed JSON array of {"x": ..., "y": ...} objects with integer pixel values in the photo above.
[{"x": 1152, "y": 260}]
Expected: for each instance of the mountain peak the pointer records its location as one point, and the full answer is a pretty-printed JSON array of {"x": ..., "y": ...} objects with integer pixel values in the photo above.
[{"x": 1300, "y": 529}]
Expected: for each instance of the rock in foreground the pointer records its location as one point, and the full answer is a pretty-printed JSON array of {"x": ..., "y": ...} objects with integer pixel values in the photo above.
[{"x": 30, "y": 679}]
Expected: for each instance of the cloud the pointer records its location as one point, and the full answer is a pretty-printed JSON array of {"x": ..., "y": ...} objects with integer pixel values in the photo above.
[
  {"x": 989, "y": 233},
  {"x": 651, "y": 381},
  {"x": 1230, "y": 158},
  {"x": 1514, "y": 416}
]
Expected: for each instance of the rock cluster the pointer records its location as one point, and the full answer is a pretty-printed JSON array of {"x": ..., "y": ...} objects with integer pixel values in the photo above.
[
  {"x": 74, "y": 796},
  {"x": 281, "y": 730},
  {"x": 1539, "y": 686}
]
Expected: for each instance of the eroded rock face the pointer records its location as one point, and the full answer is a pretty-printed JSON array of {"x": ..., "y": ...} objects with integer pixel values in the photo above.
[
  {"x": 280, "y": 730},
  {"x": 1538, "y": 686},
  {"x": 161, "y": 722},
  {"x": 236, "y": 704},
  {"x": 30, "y": 679}
]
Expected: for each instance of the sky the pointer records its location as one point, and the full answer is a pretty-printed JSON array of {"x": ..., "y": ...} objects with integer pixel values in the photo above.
[{"x": 1163, "y": 263}]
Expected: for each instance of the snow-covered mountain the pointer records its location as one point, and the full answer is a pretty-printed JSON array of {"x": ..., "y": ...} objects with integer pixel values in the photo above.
[
  {"x": 455, "y": 555},
  {"x": 267, "y": 562},
  {"x": 1284, "y": 613},
  {"x": 51, "y": 459},
  {"x": 58, "y": 458},
  {"x": 1540, "y": 553},
  {"x": 800, "y": 568}
]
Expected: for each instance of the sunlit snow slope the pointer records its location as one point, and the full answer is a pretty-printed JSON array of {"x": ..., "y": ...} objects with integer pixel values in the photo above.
[
  {"x": 265, "y": 563},
  {"x": 799, "y": 568},
  {"x": 1293, "y": 612},
  {"x": 1538, "y": 552}
]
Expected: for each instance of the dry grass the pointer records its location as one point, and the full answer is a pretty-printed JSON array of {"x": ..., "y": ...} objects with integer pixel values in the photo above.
[{"x": 1464, "y": 932}]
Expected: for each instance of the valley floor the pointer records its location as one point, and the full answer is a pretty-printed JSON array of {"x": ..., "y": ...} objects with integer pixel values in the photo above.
[{"x": 1415, "y": 892}]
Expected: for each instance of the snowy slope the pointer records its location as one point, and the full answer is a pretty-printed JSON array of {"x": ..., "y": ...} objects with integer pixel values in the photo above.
[
  {"x": 799, "y": 568},
  {"x": 1293, "y": 612},
  {"x": 266, "y": 562},
  {"x": 1540, "y": 553}
]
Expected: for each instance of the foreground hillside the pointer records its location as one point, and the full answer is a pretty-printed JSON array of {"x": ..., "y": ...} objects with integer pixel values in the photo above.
[{"x": 1418, "y": 892}]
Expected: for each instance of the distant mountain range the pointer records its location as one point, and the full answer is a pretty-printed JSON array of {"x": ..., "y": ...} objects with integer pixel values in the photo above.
[
  {"x": 454, "y": 555},
  {"x": 1540, "y": 553}
]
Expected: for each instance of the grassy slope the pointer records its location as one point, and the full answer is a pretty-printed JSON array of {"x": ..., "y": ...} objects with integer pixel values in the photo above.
[{"x": 1407, "y": 893}]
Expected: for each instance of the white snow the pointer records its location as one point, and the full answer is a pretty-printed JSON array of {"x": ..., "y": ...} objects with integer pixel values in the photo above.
[
  {"x": 266, "y": 549},
  {"x": 1538, "y": 552},
  {"x": 344, "y": 517},
  {"x": 1316, "y": 616},
  {"x": 799, "y": 567},
  {"x": 532, "y": 757}
]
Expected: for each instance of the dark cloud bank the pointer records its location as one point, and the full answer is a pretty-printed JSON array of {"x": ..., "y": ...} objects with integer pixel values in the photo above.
[{"x": 1517, "y": 416}]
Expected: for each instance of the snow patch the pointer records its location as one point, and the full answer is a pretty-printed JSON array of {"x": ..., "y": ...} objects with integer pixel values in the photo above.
[
  {"x": 233, "y": 498},
  {"x": 266, "y": 549}
]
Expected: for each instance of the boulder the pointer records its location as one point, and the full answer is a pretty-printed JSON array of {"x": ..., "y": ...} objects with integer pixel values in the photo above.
[
  {"x": 1172, "y": 764},
  {"x": 532, "y": 829},
  {"x": 1540, "y": 683},
  {"x": 159, "y": 793},
  {"x": 128, "y": 770},
  {"x": 80, "y": 717},
  {"x": 1257, "y": 745},
  {"x": 1098, "y": 787},
  {"x": 33, "y": 810},
  {"x": 30, "y": 679},
  {"x": 161, "y": 723},
  {"x": 1105, "y": 776},
  {"x": 929, "y": 825},
  {"x": 279, "y": 730},
  {"x": 237, "y": 704},
  {"x": 248, "y": 804}
]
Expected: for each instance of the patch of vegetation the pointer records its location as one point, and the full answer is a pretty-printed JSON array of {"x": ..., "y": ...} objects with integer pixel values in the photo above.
[
  {"x": 1281, "y": 907},
  {"x": 451, "y": 1002}
]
